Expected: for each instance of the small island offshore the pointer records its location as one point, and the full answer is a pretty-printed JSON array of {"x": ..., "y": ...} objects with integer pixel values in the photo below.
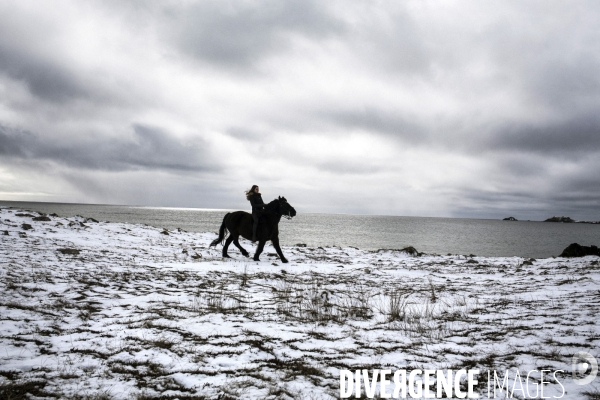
[
  {"x": 558, "y": 219},
  {"x": 569, "y": 220}
]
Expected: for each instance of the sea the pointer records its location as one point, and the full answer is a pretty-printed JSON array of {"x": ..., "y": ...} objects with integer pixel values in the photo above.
[{"x": 480, "y": 237}]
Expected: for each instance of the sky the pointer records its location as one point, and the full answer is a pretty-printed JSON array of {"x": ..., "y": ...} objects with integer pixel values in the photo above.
[{"x": 475, "y": 109}]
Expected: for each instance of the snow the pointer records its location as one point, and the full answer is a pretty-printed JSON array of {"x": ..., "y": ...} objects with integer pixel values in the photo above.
[{"x": 134, "y": 314}]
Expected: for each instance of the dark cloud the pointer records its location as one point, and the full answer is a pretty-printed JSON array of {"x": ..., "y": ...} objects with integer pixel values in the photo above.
[
  {"x": 238, "y": 35},
  {"x": 526, "y": 205},
  {"x": 352, "y": 167},
  {"x": 578, "y": 135},
  {"x": 532, "y": 187},
  {"x": 392, "y": 42},
  {"x": 146, "y": 148},
  {"x": 44, "y": 79},
  {"x": 567, "y": 83},
  {"x": 375, "y": 120},
  {"x": 13, "y": 143},
  {"x": 28, "y": 54},
  {"x": 519, "y": 167},
  {"x": 553, "y": 60},
  {"x": 581, "y": 186},
  {"x": 245, "y": 134}
]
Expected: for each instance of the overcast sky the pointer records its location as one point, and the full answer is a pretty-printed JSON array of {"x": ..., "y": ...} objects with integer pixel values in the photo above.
[{"x": 455, "y": 108}]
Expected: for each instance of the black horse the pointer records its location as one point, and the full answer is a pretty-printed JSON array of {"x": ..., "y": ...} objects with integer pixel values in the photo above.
[{"x": 239, "y": 223}]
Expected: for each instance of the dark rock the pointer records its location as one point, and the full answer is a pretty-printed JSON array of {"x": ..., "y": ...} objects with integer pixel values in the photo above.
[
  {"x": 5, "y": 233},
  {"x": 26, "y": 227},
  {"x": 54, "y": 215},
  {"x": 559, "y": 219},
  {"x": 41, "y": 218},
  {"x": 69, "y": 251},
  {"x": 409, "y": 250},
  {"x": 412, "y": 251},
  {"x": 300, "y": 244},
  {"x": 196, "y": 256},
  {"x": 510, "y": 219},
  {"x": 24, "y": 215},
  {"x": 576, "y": 250},
  {"x": 165, "y": 232},
  {"x": 77, "y": 223},
  {"x": 90, "y": 220}
]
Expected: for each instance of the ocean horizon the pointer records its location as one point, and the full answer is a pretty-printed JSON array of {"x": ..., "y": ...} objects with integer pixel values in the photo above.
[{"x": 435, "y": 235}]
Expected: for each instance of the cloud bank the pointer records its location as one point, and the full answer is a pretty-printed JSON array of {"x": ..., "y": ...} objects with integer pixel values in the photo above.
[{"x": 462, "y": 109}]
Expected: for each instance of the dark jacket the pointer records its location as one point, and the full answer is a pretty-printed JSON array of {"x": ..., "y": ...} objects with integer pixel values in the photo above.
[{"x": 257, "y": 202}]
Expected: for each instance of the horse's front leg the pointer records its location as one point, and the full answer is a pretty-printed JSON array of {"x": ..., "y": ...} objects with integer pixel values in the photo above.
[
  {"x": 227, "y": 243},
  {"x": 259, "y": 249},
  {"x": 275, "y": 242}
]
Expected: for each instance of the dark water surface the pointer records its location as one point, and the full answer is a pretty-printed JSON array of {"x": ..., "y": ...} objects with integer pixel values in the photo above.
[{"x": 482, "y": 237}]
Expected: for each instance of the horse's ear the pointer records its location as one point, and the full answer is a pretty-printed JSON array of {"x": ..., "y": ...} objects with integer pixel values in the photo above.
[{"x": 279, "y": 198}]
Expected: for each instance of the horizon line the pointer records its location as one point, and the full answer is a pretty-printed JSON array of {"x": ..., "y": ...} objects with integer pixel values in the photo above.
[{"x": 230, "y": 209}]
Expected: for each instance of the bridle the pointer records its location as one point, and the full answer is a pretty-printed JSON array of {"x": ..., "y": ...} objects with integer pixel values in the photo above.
[{"x": 286, "y": 216}]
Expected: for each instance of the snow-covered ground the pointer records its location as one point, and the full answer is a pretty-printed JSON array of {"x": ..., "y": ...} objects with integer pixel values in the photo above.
[{"x": 108, "y": 310}]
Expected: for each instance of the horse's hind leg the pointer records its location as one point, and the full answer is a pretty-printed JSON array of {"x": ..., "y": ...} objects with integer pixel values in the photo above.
[
  {"x": 239, "y": 246},
  {"x": 259, "y": 249},
  {"x": 226, "y": 245}
]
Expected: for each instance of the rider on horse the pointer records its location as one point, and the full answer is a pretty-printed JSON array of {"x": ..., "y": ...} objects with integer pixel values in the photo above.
[{"x": 255, "y": 198}]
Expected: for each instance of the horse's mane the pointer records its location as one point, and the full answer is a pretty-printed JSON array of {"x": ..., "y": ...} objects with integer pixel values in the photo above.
[{"x": 271, "y": 205}]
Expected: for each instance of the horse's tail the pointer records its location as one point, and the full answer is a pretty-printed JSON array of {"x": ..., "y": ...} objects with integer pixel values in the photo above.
[{"x": 222, "y": 233}]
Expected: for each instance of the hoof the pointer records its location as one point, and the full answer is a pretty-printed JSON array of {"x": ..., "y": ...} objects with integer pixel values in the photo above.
[
  {"x": 284, "y": 260},
  {"x": 256, "y": 259},
  {"x": 226, "y": 256},
  {"x": 246, "y": 254}
]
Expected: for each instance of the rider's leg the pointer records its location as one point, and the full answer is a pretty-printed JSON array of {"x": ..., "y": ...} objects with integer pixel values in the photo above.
[{"x": 254, "y": 226}]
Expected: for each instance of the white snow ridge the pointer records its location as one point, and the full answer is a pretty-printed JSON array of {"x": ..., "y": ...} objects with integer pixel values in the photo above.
[{"x": 107, "y": 310}]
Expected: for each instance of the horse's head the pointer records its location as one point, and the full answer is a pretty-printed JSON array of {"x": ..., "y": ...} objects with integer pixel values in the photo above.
[{"x": 285, "y": 208}]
